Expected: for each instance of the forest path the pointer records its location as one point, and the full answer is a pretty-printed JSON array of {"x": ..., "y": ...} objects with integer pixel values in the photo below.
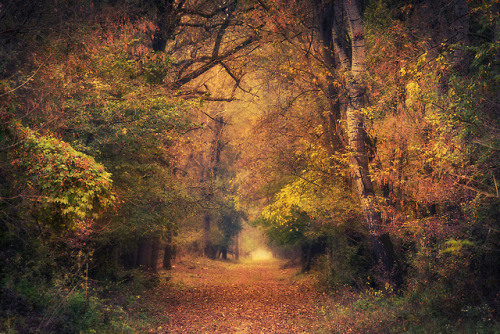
[{"x": 248, "y": 297}]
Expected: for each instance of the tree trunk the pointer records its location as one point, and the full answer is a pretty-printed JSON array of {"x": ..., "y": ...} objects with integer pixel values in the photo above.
[
  {"x": 460, "y": 32},
  {"x": 130, "y": 259},
  {"x": 155, "y": 254},
  {"x": 144, "y": 253},
  {"x": 223, "y": 253},
  {"x": 331, "y": 122},
  {"x": 168, "y": 255},
  {"x": 210, "y": 177},
  {"x": 357, "y": 139},
  {"x": 209, "y": 249}
]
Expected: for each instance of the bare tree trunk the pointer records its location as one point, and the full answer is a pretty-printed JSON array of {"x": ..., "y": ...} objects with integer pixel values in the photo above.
[
  {"x": 155, "y": 254},
  {"x": 357, "y": 139},
  {"x": 144, "y": 253},
  {"x": 168, "y": 255},
  {"x": 331, "y": 122}
]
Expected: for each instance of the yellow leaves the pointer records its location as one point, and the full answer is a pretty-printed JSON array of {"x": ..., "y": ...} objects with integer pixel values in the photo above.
[
  {"x": 412, "y": 94},
  {"x": 456, "y": 247},
  {"x": 319, "y": 129},
  {"x": 412, "y": 88},
  {"x": 423, "y": 58},
  {"x": 71, "y": 185}
]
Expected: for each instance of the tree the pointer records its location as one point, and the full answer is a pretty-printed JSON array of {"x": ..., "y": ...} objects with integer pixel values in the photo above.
[
  {"x": 210, "y": 174},
  {"x": 335, "y": 57},
  {"x": 102, "y": 95},
  {"x": 230, "y": 224},
  {"x": 354, "y": 66}
]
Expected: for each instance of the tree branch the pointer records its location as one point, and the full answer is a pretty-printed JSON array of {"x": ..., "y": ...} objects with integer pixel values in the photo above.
[{"x": 211, "y": 63}]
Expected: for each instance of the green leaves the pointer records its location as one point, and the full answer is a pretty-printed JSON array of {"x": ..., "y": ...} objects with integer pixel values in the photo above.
[{"x": 69, "y": 186}]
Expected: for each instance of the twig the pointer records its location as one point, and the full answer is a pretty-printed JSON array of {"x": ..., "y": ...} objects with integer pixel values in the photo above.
[{"x": 27, "y": 80}]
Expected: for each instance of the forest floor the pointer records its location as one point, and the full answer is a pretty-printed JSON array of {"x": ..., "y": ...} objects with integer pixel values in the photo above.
[{"x": 200, "y": 296}]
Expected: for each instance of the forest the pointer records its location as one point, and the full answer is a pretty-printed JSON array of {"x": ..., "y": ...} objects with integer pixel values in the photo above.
[{"x": 356, "y": 140}]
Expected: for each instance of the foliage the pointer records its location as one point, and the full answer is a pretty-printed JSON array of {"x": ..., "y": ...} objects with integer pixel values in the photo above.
[
  {"x": 87, "y": 101},
  {"x": 383, "y": 311},
  {"x": 68, "y": 307},
  {"x": 116, "y": 109},
  {"x": 107, "y": 151},
  {"x": 230, "y": 224},
  {"x": 69, "y": 186},
  {"x": 432, "y": 118},
  {"x": 433, "y": 129}
]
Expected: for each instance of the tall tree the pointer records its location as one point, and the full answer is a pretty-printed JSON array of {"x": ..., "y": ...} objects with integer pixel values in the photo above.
[
  {"x": 352, "y": 58},
  {"x": 209, "y": 177}
]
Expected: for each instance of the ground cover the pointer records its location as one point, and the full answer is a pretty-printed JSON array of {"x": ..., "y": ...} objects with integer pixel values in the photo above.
[{"x": 201, "y": 296}]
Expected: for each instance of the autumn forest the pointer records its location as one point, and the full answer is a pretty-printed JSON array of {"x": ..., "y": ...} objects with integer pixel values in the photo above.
[{"x": 249, "y": 166}]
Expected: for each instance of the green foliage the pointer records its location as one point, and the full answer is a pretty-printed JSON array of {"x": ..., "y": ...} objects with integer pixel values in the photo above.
[
  {"x": 230, "y": 224},
  {"x": 119, "y": 112},
  {"x": 69, "y": 185},
  {"x": 291, "y": 230},
  {"x": 455, "y": 247},
  {"x": 67, "y": 308},
  {"x": 348, "y": 261},
  {"x": 98, "y": 88},
  {"x": 419, "y": 311}
]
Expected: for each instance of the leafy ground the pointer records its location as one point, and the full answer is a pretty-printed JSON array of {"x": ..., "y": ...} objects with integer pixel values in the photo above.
[
  {"x": 249, "y": 297},
  {"x": 203, "y": 296}
]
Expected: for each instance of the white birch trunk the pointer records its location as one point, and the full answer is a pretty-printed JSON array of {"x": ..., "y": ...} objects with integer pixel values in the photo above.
[{"x": 357, "y": 137}]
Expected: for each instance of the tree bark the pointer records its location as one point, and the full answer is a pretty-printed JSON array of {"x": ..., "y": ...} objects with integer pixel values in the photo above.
[
  {"x": 357, "y": 138},
  {"x": 326, "y": 19}
]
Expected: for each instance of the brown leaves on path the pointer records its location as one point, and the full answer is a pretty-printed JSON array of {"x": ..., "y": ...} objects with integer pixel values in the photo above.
[{"x": 252, "y": 297}]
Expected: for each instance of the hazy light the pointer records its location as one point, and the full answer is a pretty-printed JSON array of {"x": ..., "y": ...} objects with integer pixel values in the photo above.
[{"x": 261, "y": 254}]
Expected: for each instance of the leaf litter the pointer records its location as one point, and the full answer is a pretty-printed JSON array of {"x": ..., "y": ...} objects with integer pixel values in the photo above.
[{"x": 203, "y": 296}]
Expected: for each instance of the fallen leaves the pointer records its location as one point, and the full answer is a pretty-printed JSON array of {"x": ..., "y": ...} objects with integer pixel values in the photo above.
[{"x": 236, "y": 298}]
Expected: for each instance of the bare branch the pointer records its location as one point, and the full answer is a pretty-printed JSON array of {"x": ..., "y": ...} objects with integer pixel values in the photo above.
[
  {"x": 205, "y": 95},
  {"x": 222, "y": 29},
  {"x": 211, "y": 63}
]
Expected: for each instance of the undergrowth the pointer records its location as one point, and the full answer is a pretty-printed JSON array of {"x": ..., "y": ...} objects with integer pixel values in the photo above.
[
  {"x": 375, "y": 311},
  {"x": 414, "y": 309},
  {"x": 65, "y": 306}
]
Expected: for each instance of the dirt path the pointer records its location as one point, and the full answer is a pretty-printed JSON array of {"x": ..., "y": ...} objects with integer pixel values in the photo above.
[{"x": 218, "y": 297}]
